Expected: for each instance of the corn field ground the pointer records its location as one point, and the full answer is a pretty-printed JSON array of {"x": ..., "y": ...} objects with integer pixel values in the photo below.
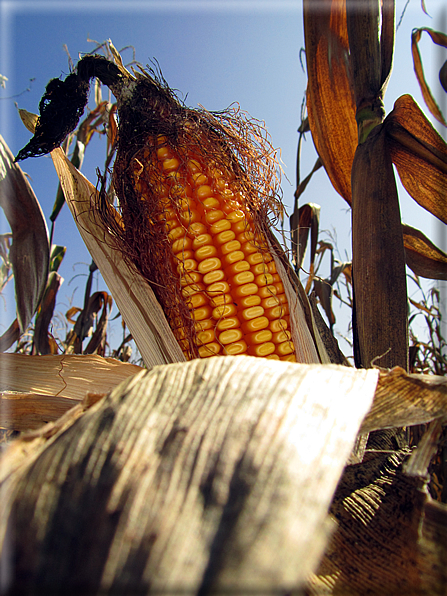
[{"x": 241, "y": 450}]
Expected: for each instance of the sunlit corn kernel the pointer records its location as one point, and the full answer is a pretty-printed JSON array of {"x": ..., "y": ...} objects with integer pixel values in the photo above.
[
  {"x": 264, "y": 279},
  {"x": 261, "y": 350},
  {"x": 205, "y": 337},
  {"x": 220, "y": 226},
  {"x": 237, "y": 267},
  {"x": 205, "y": 252},
  {"x": 226, "y": 310},
  {"x": 255, "y": 324},
  {"x": 213, "y": 216},
  {"x": 244, "y": 277},
  {"x": 170, "y": 164},
  {"x": 213, "y": 276},
  {"x": 189, "y": 217},
  {"x": 251, "y": 313},
  {"x": 208, "y": 350},
  {"x": 248, "y": 301},
  {"x": 188, "y": 291},
  {"x": 193, "y": 166},
  {"x": 277, "y": 279},
  {"x": 273, "y": 357},
  {"x": 230, "y": 246},
  {"x": 289, "y": 358},
  {"x": 248, "y": 248},
  {"x": 245, "y": 290},
  {"x": 228, "y": 323},
  {"x": 235, "y": 216},
  {"x": 285, "y": 348},
  {"x": 259, "y": 337},
  {"x": 232, "y": 258},
  {"x": 240, "y": 226},
  {"x": 267, "y": 291},
  {"x": 163, "y": 153},
  {"x": 236, "y": 348},
  {"x": 277, "y": 311},
  {"x": 196, "y": 301},
  {"x": 196, "y": 229},
  {"x": 186, "y": 266},
  {"x": 281, "y": 336},
  {"x": 201, "y": 240},
  {"x": 175, "y": 232},
  {"x": 270, "y": 302},
  {"x": 203, "y": 192},
  {"x": 278, "y": 325},
  {"x": 229, "y": 336},
  {"x": 184, "y": 256},
  {"x": 210, "y": 204},
  {"x": 204, "y": 325},
  {"x": 199, "y": 179},
  {"x": 221, "y": 300},
  {"x": 190, "y": 277},
  {"x": 228, "y": 206},
  {"x": 181, "y": 244},
  {"x": 225, "y": 237},
  {"x": 204, "y": 312},
  {"x": 257, "y": 258},
  {"x": 216, "y": 288},
  {"x": 279, "y": 287},
  {"x": 208, "y": 265}
]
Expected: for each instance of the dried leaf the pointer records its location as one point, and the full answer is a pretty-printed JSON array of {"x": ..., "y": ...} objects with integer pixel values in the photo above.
[
  {"x": 65, "y": 375},
  {"x": 28, "y": 411},
  {"x": 308, "y": 220},
  {"x": 41, "y": 336},
  {"x": 330, "y": 99},
  {"x": 422, "y": 256},
  {"x": 439, "y": 39},
  {"x": 132, "y": 294},
  {"x": 211, "y": 476},
  {"x": 420, "y": 156},
  {"x": 30, "y": 249}
]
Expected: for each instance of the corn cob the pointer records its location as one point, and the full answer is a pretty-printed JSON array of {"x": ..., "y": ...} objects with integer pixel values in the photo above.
[
  {"x": 195, "y": 193},
  {"x": 227, "y": 276}
]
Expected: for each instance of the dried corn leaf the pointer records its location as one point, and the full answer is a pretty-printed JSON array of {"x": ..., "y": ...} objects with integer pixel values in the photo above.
[
  {"x": 439, "y": 39},
  {"x": 28, "y": 411},
  {"x": 133, "y": 295},
  {"x": 420, "y": 156},
  {"x": 422, "y": 256},
  {"x": 207, "y": 476},
  {"x": 65, "y": 376},
  {"x": 330, "y": 100},
  {"x": 403, "y": 399},
  {"x": 30, "y": 251}
]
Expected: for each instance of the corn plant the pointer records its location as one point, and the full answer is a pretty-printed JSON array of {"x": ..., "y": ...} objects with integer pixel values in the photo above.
[{"x": 349, "y": 53}]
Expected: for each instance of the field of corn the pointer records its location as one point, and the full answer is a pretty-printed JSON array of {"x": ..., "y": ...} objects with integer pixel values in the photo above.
[{"x": 244, "y": 452}]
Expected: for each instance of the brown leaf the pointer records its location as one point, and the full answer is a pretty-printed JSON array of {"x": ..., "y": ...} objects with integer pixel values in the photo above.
[
  {"x": 422, "y": 256},
  {"x": 41, "y": 339},
  {"x": 30, "y": 251},
  {"x": 419, "y": 154},
  {"x": 330, "y": 99},
  {"x": 441, "y": 40},
  {"x": 308, "y": 221}
]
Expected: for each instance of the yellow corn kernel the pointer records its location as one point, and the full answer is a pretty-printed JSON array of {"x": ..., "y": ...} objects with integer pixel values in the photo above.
[{"x": 227, "y": 277}]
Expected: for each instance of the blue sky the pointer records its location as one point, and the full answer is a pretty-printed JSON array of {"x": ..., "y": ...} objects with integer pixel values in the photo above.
[{"x": 214, "y": 53}]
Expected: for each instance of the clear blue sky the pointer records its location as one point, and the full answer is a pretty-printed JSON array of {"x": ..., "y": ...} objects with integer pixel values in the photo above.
[{"x": 215, "y": 53}]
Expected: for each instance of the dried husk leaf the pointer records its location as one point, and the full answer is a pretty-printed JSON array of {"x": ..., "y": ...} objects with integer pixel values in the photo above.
[
  {"x": 439, "y": 39},
  {"x": 420, "y": 156},
  {"x": 378, "y": 265},
  {"x": 207, "y": 476},
  {"x": 403, "y": 399},
  {"x": 28, "y": 411},
  {"x": 422, "y": 256},
  {"x": 30, "y": 249},
  {"x": 67, "y": 376},
  {"x": 330, "y": 99},
  {"x": 133, "y": 295}
]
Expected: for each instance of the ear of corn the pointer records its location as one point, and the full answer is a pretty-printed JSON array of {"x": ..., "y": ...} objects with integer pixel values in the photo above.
[{"x": 226, "y": 276}]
